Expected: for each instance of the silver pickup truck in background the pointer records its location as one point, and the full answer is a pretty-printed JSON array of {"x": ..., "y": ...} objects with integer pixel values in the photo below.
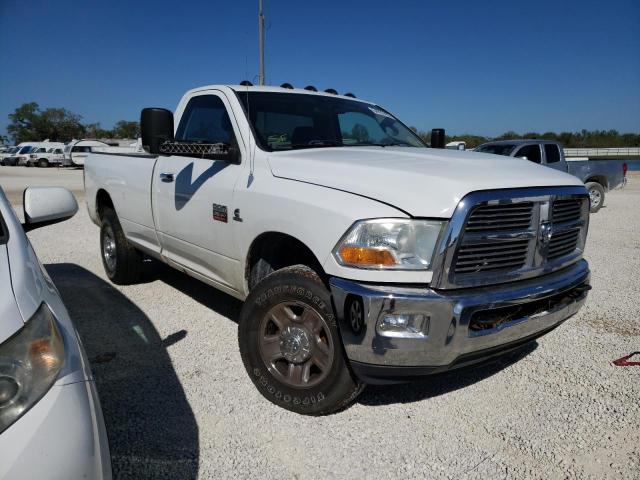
[{"x": 599, "y": 176}]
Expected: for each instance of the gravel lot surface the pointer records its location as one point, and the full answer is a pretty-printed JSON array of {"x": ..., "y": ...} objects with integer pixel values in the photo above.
[{"x": 178, "y": 403}]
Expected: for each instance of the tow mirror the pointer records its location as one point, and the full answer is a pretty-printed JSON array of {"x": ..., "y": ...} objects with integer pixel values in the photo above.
[
  {"x": 47, "y": 205},
  {"x": 156, "y": 128},
  {"x": 437, "y": 138}
]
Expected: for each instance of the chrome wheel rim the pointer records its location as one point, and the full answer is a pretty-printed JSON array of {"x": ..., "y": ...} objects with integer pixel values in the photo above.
[
  {"x": 109, "y": 247},
  {"x": 595, "y": 197},
  {"x": 296, "y": 345}
]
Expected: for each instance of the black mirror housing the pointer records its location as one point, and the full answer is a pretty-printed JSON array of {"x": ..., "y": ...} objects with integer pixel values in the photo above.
[
  {"x": 156, "y": 127},
  {"x": 437, "y": 138}
]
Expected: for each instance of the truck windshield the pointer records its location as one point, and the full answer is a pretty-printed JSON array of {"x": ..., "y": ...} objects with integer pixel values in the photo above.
[
  {"x": 289, "y": 121},
  {"x": 497, "y": 149},
  {"x": 25, "y": 149}
]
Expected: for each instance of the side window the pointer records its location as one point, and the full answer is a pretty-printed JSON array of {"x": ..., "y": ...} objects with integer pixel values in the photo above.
[
  {"x": 552, "y": 153},
  {"x": 205, "y": 120},
  {"x": 532, "y": 152}
]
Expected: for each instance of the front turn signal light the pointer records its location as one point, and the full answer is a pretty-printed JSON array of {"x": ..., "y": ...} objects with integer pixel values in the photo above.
[{"x": 366, "y": 257}]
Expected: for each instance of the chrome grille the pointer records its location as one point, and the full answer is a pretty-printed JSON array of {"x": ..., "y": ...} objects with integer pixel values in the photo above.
[
  {"x": 566, "y": 210},
  {"x": 482, "y": 257},
  {"x": 481, "y": 251},
  {"x": 564, "y": 241},
  {"x": 506, "y": 235},
  {"x": 500, "y": 217}
]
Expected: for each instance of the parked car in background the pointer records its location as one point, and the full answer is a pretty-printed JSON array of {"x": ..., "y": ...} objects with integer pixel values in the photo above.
[
  {"x": 362, "y": 255},
  {"x": 599, "y": 176},
  {"x": 46, "y": 157},
  {"x": 8, "y": 153},
  {"x": 51, "y": 423},
  {"x": 21, "y": 154}
]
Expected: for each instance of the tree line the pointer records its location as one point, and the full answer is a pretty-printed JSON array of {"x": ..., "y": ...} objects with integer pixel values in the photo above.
[
  {"x": 29, "y": 122},
  {"x": 581, "y": 139}
]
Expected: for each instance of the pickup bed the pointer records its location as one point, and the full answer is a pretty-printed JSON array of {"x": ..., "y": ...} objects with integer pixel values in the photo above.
[
  {"x": 599, "y": 176},
  {"x": 362, "y": 255}
]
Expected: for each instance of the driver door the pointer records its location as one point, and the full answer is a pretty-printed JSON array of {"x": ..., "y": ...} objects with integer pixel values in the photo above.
[{"x": 193, "y": 197}]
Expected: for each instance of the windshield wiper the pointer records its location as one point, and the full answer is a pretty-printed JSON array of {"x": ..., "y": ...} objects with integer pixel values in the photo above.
[{"x": 317, "y": 144}]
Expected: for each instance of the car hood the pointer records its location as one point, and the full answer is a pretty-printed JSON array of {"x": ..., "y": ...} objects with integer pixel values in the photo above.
[
  {"x": 10, "y": 317},
  {"x": 421, "y": 182}
]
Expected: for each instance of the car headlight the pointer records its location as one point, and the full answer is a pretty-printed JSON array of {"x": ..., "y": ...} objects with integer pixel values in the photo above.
[
  {"x": 389, "y": 243},
  {"x": 29, "y": 365}
]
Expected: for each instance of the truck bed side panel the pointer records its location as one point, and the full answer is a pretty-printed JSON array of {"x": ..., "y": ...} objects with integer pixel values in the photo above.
[
  {"x": 607, "y": 172},
  {"x": 127, "y": 180}
]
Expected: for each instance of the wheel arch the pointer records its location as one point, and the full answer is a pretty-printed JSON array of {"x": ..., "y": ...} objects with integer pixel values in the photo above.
[
  {"x": 601, "y": 179},
  {"x": 280, "y": 250},
  {"x": 103, "y": 200}
]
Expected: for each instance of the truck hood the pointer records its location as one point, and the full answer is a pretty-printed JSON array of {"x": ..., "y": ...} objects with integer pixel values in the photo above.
[{"x": 421, "y": 182}]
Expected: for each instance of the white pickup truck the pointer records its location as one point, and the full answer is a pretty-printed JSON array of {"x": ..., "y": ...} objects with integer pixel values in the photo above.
[{"x": 362, "y": 255}]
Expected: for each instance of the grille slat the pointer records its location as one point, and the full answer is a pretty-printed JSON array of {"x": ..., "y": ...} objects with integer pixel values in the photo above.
[{"x": 474, "y": 261}]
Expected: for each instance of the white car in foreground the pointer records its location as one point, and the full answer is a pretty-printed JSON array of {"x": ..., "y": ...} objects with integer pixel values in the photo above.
[{"x": 51, "y": 423}]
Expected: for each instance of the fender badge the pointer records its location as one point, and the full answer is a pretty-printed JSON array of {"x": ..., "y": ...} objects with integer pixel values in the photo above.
[
  {"x": 236, "y": 215},
  {"x": 220, "y": 213}
]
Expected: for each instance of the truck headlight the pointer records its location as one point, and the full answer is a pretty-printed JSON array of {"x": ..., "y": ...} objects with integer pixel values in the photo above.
[
  {"x": 389, "y": 243},
  {"x": 29, "y": 365}
]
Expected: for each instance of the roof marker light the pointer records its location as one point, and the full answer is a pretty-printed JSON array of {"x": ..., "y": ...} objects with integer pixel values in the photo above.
[{"x": 287, "y": 86}]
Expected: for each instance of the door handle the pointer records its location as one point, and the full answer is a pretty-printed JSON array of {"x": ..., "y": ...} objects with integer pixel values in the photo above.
[{"x": 166, "y": 177}]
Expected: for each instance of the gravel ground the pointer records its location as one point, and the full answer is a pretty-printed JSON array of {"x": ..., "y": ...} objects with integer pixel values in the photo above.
[{"x": 178, "y": 403}]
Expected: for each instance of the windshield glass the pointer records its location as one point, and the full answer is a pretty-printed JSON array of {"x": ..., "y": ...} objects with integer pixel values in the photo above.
[
  {"x": 497, "y": 148},
  {"x": 26, "y": 149},
  {"x": 288, "y": 121}
]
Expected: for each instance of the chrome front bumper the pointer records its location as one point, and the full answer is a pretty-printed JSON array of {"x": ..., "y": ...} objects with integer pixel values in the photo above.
[{"x": 527, "y": 310}]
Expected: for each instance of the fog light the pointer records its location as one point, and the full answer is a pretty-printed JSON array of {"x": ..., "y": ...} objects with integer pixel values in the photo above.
[{"x": 407, "y": 325}]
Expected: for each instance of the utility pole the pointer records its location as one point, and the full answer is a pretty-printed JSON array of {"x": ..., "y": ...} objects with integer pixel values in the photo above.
[{"x": 261, "y": 34}]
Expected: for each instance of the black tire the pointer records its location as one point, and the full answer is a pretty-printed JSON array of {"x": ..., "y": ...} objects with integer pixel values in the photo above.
[
  {"x": 596, "y": 196},
  {"x": 121, "y": 261},
  {"x": 28, "y": 164},
  {"x": 43, "y": 163},
  {"x": 331, "y": 389}
]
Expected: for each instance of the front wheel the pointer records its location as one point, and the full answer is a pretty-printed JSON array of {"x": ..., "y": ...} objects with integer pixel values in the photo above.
[
  {"x": 596, "y": 196},
  {"x": 43, "y": 163},
  {"x": 290, "y": 344}
]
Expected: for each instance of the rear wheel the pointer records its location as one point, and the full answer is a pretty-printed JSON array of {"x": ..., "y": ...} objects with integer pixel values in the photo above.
[
  {"x": 121, "y": 261},
  {"x": 596, "y": 196},
  {"x": 291, "y": 347}
]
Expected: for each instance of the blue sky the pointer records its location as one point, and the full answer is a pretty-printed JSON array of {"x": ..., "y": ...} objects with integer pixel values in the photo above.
[{"x": 468, "y": 66}]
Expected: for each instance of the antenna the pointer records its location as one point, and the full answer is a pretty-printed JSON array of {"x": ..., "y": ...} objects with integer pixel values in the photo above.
[{"x": 261, "y": 35}]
